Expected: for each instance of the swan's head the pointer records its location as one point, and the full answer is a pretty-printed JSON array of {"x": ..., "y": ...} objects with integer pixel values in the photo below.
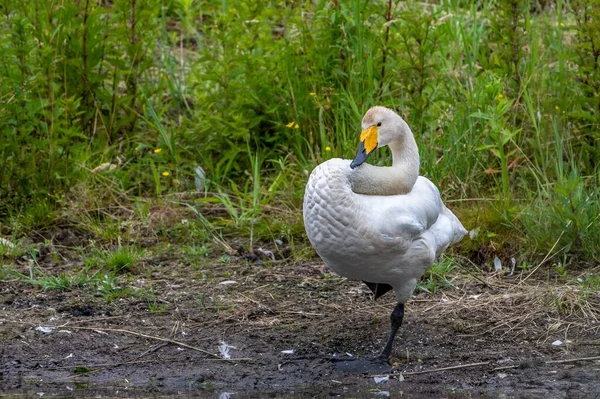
[{"x": 380, "y": 126}]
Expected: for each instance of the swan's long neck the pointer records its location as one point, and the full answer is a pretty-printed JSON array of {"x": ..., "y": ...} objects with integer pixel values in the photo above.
[{"x": 390, "y": 180}]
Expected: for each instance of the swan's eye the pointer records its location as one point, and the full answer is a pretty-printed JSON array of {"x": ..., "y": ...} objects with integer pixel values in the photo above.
[{"x": 379, "y": 124}]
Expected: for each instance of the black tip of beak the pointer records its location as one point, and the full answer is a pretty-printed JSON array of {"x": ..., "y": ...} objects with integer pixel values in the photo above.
[{"x": 360, "y": 157}]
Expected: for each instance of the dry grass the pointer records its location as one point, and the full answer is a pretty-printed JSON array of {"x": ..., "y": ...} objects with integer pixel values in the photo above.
[{"x": 529, "y": 310}]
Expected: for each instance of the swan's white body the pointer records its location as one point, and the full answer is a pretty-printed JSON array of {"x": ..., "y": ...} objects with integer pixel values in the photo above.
[{"x": 390, "y": 239}]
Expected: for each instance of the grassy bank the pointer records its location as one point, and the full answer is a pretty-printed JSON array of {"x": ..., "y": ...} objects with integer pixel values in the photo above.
[{"x": 108, "y": 108}]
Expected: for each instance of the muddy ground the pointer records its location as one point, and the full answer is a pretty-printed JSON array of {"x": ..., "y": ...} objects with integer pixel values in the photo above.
[{"x": 495, "y": 334}]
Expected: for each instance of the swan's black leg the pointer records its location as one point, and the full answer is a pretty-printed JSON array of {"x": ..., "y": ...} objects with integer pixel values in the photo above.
[
  {"x": 378, "y": 289},
  {"x": 396, "y": 319},
  {"x": 380, "y": 364}
]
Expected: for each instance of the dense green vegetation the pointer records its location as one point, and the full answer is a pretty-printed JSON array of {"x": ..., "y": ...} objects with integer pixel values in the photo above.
[{"x": 112, "y": 104}]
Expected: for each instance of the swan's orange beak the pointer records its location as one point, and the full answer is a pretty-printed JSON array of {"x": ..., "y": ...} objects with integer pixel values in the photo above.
[{"x": 368, "y": 143}]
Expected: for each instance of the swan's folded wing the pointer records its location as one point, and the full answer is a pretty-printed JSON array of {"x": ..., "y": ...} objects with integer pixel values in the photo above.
[{"x": 406, "y": 216}]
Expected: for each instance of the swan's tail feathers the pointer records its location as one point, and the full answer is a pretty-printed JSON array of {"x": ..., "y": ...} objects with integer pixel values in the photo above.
[
  {"x": 446, "y": 231},
  {"x": 457, "y": 228}
]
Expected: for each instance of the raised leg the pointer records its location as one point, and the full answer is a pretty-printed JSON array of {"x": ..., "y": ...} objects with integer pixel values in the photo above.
[{"x": 396, "y": 321}]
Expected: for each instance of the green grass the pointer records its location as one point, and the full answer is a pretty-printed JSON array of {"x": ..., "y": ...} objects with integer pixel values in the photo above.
[
  {"x": 107, "y": 285},
  {"x": 105, "y": 112},
  {"x": 194, "y": 251},
  {"x": 101, "y": 272},
  {"x": 11, "y": 249},
  {"x": 438, "y": 276},
  {"x": 121, "y": 259},
  {"x": 60, "y": 282},
  {"x": 110, "y": 287}
]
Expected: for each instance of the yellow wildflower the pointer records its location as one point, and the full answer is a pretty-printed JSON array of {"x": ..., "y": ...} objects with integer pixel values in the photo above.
[
  {"x": 296, "y": 126},
  {"x": 328, "y": 148},
  {"x": 500, "y": 96},
  {"x": 313, "y": 94},
  {"x": 291, "y": 124},
  {"x": 165, "y": 173},
  {"x": 556, "y": 107},
  {"x": 157, "y": 150}
]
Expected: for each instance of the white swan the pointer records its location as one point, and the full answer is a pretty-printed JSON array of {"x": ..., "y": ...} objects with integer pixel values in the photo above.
[{"x": 382, "y": 225}]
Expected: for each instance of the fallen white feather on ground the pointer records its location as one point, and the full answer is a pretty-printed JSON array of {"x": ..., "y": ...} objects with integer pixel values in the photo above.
[
  {"x": 6, "y": 243},
  {"x": 497, "y": 263},
  {"x": 382, "y": 378},
  {"x": 265, "y": 253},
  {"x": 224, "y": 350},
  {"x": 199, "y": 178},
  {"x": 473, "y": 233}
]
